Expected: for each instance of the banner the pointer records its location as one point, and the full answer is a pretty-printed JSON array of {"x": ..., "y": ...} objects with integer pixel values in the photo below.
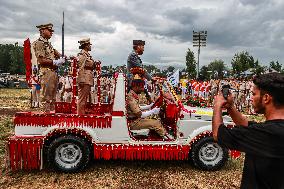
[
  {"x": 174, "y": 79},
  {"x": 27, "y": 59}
]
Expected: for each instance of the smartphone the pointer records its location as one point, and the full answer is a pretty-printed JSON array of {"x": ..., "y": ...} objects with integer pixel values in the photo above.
[{"x": 226, "y": 90}]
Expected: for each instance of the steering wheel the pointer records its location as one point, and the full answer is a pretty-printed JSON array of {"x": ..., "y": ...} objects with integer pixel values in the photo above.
[{"x": 158, "y": 102}]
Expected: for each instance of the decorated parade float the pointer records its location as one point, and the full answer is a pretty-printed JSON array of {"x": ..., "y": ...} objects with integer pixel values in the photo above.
[{"x": 67, "y": 141}]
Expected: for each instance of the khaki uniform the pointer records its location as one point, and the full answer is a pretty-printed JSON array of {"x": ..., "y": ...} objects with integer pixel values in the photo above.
[
  {"x": 49, "y": 79},
  {"x": 241, "y": 97},
  {"x": 86, "y": 66},
  {"x": 141, "y": 123}
]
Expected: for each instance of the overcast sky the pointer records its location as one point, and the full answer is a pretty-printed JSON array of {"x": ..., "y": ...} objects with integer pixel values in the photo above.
[{"x": 256, "y": 26}]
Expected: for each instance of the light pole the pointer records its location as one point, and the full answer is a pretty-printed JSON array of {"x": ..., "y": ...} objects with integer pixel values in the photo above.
[{"x": 199, "y": 40}]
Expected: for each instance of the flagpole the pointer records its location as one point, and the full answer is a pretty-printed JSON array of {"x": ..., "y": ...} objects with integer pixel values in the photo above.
[{"x": 63, "y": 36}]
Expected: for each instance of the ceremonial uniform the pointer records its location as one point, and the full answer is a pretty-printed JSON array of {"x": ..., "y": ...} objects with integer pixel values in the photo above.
[
  {"x": 134, "y": 60},
  {"x": 43, "y": 48},
  {"x": 85, "y": 79},
  {"x": 241, "y": 97},
  {"x": 141, "y": 123}
]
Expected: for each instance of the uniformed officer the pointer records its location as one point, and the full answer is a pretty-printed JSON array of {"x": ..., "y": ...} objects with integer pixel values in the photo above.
[
  {"x": 48, "y": 59},
  {"x": 86, "y": 65},
  {"x": 138, "y": 118},
  {"x": 134, "y": 60}
]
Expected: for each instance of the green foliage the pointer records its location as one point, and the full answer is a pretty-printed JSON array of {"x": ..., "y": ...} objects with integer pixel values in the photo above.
[
  {"x": 195, "y": 101},
  {"x": 151, "y": 69},
  {"x": 241, "y": 62},
  {"x": 190, "y": 64},
  {"x": 217, "y": 67},
  {"x": 258, "y": 69},
  {"x": 204, "y": 73},
  {"x": 276, "y": 66},
  {"x": 170, "y": 69},
  {"x": 12, "y": 59}
]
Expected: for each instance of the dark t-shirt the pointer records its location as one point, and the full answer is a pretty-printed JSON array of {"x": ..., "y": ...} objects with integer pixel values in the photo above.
[{"x": 263, "y": 144}]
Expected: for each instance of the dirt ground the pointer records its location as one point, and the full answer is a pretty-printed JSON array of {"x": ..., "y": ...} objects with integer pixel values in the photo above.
[{"x": 108, "y": 174}]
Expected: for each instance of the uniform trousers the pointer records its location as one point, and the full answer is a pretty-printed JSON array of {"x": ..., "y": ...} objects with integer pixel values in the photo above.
[
  {"x": 49, "y": 82},
  {"x": 151, "y": 124},
  {"x": 84, "y": 92}
]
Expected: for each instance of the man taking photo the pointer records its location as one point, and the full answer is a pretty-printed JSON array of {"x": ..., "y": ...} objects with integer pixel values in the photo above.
[{"x": 263, "y": 143}]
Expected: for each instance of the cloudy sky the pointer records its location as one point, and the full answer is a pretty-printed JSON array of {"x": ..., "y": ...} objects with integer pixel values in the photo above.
[{"x": 256, "y": 26}]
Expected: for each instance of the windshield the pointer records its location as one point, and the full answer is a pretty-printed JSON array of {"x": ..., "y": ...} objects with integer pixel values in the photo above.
[{"x": 168, "y": 91}]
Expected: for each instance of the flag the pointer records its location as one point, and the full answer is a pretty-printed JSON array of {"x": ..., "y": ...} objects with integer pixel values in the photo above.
[
  {"x": 27, "y": 59},
  {"x": 174, "y": 79}
]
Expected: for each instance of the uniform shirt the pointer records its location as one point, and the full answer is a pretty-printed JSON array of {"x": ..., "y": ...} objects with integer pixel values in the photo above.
[
  {"x": 263, "y": 144},
  {"x": 132, "y": 104},
  {"x": 135, "y": 61},
  {"x": 86, "y": 65},
  {"x": 43, "y": 48}
]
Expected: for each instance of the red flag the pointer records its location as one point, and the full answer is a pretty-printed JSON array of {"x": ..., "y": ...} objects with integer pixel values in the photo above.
[{"x": 27, "y": 60}]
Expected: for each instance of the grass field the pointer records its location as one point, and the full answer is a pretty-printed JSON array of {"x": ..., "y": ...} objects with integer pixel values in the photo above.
[{"x": 108, "y": 174}]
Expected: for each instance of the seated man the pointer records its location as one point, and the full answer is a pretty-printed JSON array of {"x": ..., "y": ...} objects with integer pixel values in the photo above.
[{"x": 138, "y": 118}]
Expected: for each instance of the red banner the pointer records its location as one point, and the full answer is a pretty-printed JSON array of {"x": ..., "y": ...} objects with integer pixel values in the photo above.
[{"x": 27, "y": 59}]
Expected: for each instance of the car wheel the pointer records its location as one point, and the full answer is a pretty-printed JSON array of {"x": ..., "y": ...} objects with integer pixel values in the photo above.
[
  {"x": 208, "y": 155},
  {"x": 68, "y": 153}
]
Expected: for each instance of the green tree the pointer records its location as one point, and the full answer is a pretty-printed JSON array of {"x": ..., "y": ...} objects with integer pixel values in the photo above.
[
  {"x": 241, "y": 62},
  {"x": 276, "y": 66},
  {"x": 12, "y": 59},
  {"x": 5, "y": 58},
  {"x": 151, "y": 69},
  {"x": 190, "y": 64},
  {"x": 218, "y": 67},
  {"x": 258, "y": 69},
  {"x": 170, "y": 69},
  {"x": 205, "y": 73}
]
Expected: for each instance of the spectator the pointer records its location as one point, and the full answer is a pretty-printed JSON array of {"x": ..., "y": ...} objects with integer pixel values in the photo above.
[{"x": 263, "y": 143}]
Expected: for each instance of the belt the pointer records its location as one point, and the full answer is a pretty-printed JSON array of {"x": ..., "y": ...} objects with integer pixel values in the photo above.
[
  {"x": 132, "y": 118},
  {"x": 48, "y": 68},
  {"x": 88, "y": 68}
]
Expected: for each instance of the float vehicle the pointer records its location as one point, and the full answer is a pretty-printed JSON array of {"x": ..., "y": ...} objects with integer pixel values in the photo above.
[{"x": 68, "y": 141}]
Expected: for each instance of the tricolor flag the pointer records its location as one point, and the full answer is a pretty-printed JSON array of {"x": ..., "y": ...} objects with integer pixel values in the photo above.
[{"x": 174, "y": 79}]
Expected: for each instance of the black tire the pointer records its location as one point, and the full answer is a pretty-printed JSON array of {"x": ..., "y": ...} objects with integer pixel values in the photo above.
[
  {"x": 208, "y": 155},
  {"x": 68, "y": 154}
]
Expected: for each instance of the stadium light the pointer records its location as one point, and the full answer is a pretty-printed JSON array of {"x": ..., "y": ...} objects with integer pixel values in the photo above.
[{"x": 199, "y": 40}]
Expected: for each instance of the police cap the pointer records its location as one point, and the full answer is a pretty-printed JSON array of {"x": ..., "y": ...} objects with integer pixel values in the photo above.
[
  {"x": 138, "y": 42},
  {"x": 46, "y": 26}
]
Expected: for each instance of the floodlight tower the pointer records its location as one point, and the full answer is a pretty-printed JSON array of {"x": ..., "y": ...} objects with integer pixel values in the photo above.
[{"x": 199, "y": 40}]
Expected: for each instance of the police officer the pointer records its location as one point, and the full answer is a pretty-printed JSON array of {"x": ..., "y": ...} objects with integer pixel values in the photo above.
[
  {"x": 137, "y": 117},
  {"x": 48, "y": 58},
  {"x": 86, "y": 65},
  {"x": 134, "y": 60}
]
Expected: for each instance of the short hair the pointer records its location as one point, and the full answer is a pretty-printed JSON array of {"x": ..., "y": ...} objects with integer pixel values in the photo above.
[{"x": 273, "y": 84}]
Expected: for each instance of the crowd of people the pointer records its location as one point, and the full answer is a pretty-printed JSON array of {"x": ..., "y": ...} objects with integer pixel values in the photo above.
[
  {"x": 206, "y": 90},
  {"x": 65, "y": 90}
]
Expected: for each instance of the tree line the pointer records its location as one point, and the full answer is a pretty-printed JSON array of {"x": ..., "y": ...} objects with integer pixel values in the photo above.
[
  {"x": 242, "y": 64},
  {"x": 12, "y": 59}
]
